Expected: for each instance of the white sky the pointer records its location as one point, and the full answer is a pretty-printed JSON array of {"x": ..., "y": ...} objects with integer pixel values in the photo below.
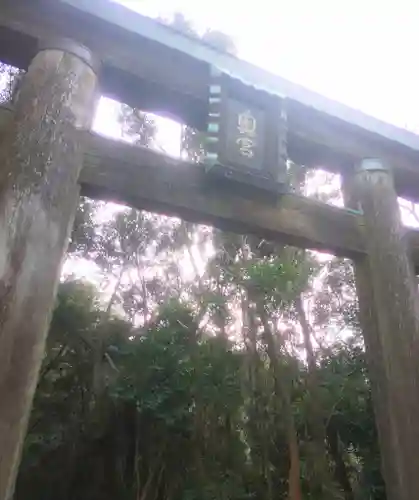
[{"x": 359, "y": 52}]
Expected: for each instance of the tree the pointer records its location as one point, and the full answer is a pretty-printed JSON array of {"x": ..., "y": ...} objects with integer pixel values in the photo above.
[
  {"x": 138, "y": 125},
  {"x": 182, "y": 413}
]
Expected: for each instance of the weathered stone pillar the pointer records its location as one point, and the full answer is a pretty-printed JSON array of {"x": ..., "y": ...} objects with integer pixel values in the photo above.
[
  {"x": 40, "y": 161},
  {"x": 387, "y": 301},
  {"x": 368, "y": 319}
]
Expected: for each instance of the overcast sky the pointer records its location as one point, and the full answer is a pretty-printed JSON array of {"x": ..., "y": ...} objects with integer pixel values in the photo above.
[{"x": 359, "y": 52}]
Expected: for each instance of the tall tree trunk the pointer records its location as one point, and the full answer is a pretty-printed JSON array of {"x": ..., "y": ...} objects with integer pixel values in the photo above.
[
  {"x": 341, "y": 473},
  {"x": 98, "y": 379},
  {"x": 294, "y": 481},
  {"x": 322, "y": 480},
  {"x": 283, "y": 393},
  {"x": 257, "y": 413}
]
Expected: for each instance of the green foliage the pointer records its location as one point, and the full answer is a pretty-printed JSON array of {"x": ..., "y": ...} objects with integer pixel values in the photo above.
[
  {"x": 138, "y": 125},
  {"x": 279, "y": 279},
  {"x": 174, "y": 388},
  {"x": 180, "y": 415}
]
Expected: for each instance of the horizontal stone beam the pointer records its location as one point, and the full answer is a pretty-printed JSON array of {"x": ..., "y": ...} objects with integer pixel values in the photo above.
[
  {"x": 316, "y": 139},
  {"x": 154, "y": 76},
  {"x": 146, "y": 179}
]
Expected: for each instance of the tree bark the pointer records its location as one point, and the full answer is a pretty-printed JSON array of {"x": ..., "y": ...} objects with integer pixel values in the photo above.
[
  {"x": 283, "y": 393},
  {"x": 257, "y": 410},
  {"x": 340, "y": 470},
  {"x": 40, "y": 158},
  {"x": 394, "y": 346},
  {"x": 323, "y": 482}
]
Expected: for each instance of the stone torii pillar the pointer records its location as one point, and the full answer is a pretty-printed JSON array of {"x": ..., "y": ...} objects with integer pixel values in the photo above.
[
  {"x": 41, "y": 155},
  {"x": 390, "y": 320},
  {"x": 368, "y": 318}
]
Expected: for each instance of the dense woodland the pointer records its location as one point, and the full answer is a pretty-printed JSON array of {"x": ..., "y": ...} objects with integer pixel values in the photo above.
[{"x": 201, "y": 365}]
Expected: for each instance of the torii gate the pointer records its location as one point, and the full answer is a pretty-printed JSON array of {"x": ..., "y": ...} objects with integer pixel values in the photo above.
[{"x": 47, "y": 153}]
